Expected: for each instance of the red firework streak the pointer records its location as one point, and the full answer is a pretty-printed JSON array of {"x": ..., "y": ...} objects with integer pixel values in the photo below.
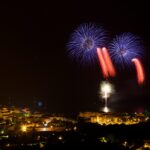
[
  {"x": 105, "y": 62},
  {"x": 102, "y": 63},
  {"x": 108, "y": 62},
  {"x": 139, "y": 70}
]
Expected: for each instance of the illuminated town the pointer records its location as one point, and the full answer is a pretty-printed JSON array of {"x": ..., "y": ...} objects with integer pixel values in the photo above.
[
  {"x": 114, "y": 119},
  {"x": 23, "y": 128}
]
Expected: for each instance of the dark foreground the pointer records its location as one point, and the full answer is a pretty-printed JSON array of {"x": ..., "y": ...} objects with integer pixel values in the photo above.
[{"x": 87, "y": 135}]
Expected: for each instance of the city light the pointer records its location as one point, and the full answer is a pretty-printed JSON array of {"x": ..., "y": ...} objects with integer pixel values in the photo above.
[
  {"x": 60, "y": 137},
  {"x": 23, "y": 128},
  {"x": 59, "y": 129},
  {"x": 112, "y": 118},
  {"x": 45, "y": 124}
]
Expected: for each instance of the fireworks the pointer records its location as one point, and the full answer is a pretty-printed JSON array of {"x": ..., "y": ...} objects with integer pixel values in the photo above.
[
  {"x": 84, "y": 42},
  {"x": 105, "y": 62},
  {"x": 124, "y": 48},
  {"x": 139, "y": 70},
  {"x": 109, "y": 64},
  {"x": 102, "y": 63},
  {"x": 106, "y": 89},
  {"x": 88, "y": 44}
]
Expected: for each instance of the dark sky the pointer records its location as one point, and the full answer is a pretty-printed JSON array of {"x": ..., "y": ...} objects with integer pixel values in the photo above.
[{"x": 34, "y": 64}]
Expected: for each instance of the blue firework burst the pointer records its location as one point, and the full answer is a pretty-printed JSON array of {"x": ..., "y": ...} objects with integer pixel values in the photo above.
[
  {"x": 125, "y": 47},
  {"x": 84, "y": 41}
]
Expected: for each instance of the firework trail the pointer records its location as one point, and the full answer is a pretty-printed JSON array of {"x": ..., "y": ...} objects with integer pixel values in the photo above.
[
  {"x": 105, "y": 62},
  {"x": 84, "y": 42},
  {"x": 102, "y": 63},
  {"x": 108, "y": 62},
  {"x": 139, "y": 70}
]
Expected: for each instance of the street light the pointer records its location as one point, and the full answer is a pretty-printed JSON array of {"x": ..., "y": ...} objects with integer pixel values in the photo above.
[{"x": 23, "y": 128}]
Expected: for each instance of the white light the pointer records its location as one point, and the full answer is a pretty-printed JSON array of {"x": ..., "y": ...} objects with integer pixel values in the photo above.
[
  {"x": 44, "y": 129},
  {"x": 45, "y": 124},
  {"x": 106, "y": 89},
  {"x": 60, "y": 137},
  {"x": 106, "y": 109}
]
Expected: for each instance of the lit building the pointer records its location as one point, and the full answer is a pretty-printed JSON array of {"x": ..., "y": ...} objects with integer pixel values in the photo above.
[{"x": 111, "y": 118}]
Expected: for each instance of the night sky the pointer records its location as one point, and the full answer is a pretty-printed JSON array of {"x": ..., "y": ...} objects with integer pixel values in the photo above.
[{"x": 34, "y": 64}]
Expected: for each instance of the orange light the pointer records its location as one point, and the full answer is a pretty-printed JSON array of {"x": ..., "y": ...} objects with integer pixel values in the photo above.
[
  {"x": 108, "y": 62},
  {"x": 102, "y": 63},
  {"x": 139, "y": 70},
  {"x": 23, "y": 128}
]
